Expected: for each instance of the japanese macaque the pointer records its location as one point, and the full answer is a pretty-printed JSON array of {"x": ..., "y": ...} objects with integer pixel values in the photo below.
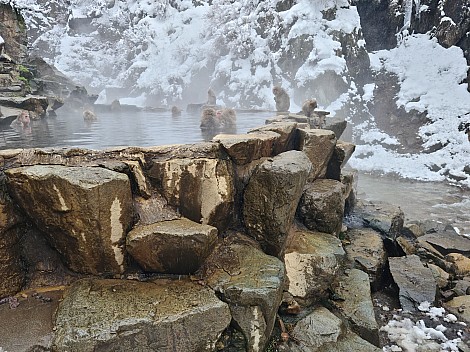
[
  {"x": 175, "y": 111},
  {"x": 89, "y": 115},
  {"x": 212, "y": 119},
  {"x": 226, "y": 118},
  {"x": 465, "y": 126},
  {"x": 211, "y": 98},
  {"x": 209, "y": 120},
  {"x": 116, "y": 105},
  {"x": 308, "y": 107},
  {"x": 281, "y": 98},
  {"x": 23, "y": 119}
]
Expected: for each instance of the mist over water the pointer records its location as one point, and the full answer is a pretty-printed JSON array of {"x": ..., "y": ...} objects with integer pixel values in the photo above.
[{"x": 140, "y": 128}]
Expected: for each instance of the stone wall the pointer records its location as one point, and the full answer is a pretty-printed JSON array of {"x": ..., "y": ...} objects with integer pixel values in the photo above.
[{"x": 233, "y": 224}]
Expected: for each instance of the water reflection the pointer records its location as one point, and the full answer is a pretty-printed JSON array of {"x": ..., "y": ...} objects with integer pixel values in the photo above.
[
  {"x": 420, "y": 200},
  {"x": 137, "y": 128}
]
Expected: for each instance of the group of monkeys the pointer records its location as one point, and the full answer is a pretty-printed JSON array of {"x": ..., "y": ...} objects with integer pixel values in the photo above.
[{"x": 217, "y": 119}]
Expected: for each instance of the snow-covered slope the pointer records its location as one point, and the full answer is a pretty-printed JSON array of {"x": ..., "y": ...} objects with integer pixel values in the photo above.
[{"x": 171, "y": 51}]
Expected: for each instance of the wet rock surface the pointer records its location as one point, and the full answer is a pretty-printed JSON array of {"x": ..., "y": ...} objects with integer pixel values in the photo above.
[
  {"x": 271, "y": 198},
  {"x": 85, "y": 212},
  {"x": 415, "y": 282},
  {"x": 120, "y": 315}
]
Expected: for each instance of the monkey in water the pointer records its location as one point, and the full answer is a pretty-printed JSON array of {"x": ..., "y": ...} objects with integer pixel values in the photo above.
[
  {"x": 212, "y": 119},
  {"x": 211, "y": 98},
  {"x": 115, "y": 105},
  {"x": 89, "y": 115},
  {"x": 281, "y": 98},
  {"x": 23, "y": 119},
  {"x": 175, "y": 111}
]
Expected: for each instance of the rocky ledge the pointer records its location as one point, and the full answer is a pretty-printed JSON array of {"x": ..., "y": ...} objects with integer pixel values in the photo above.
[{"x": 247, "y": 243}]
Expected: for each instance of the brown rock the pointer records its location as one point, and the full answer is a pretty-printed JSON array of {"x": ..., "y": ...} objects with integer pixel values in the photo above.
[
  {"x": 321, "y": 207},
  {"x": 271, "y": 198},
  {"x": 84, "y": 211},
  {"x": 173, "y": 247},
  {"x": 319, "y": 146}
]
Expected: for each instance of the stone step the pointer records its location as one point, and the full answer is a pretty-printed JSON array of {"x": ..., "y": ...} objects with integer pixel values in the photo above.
[{"x": 11, "y": 88}]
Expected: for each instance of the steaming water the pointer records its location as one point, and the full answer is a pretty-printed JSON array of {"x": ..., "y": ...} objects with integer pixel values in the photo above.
[
  {"x": 419, "y": 200},
  {"x": 140, "y": 128}
]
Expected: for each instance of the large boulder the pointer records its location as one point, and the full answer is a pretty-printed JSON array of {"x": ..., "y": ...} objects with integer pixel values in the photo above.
[
  {"x": 321, "y": 207},
  {"x": 198, "y": 182},
  {"x": 319, "y": 146},
  {"x": 174, "y": 247},
  {"x": 124, "y": 315},
  {"x": 288, "y": 135},
  {"x": 271, "y": 198},
  {"x": 385, "y": 218},
  {"x": 316, "y": 329},
  {"x": 251, "y": 282},
  {"x": 312, "y": 261},
  {"x": 85, "y": 211},
  {"x": 244, "y": 148},
  {"x": 367, "y": 252},
  {"x": 11, "y": 270},
  {"x": 341, "y": 154},
  {"x": 416, "y": 283},
  {"x": 356, "y": 304},
  {"x": 448, "y": 241}
]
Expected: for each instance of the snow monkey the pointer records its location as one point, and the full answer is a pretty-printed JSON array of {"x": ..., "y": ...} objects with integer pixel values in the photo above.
[
  {"x": 209, "y": 119},
  {"x": 175, "y": 111},
  {"x": 23, "y": 119},
  {"x": 212, "y": 119},
  {"x": 226, "y": 118},
  {"x": 281, "y": 98},
  {"x": 308, "y": 107},
  {"x": 211, "y": 98},
  {"x": 115, "y": 105}
]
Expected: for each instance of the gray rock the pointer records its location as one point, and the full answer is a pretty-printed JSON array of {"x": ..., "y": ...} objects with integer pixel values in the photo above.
[
  {"x": 124, "y": 315},
  {"x": 319, "y": 146},
  {"x": 312, "y": 262},
  {"x": 271, "y": 198},
  {"x": 321, "y": 207},
  {"x": 244, "y": 148},
  {"x": 349, "y": 342},
  {"x": 319, "y": 327},
  {"x": 251, "y": 282},
  {"x": 173, "y": 247},
  {"x": 287, "y": 132},
  {"x": 386, "y": 218},
  {"x": 366, "y": 250},
  {"x": 448, "y": 241},
  {"x": 85, "y": 211},
  {"x": 341, "y": 154},
  {"x": 357, "y": 306},
  {"x": 337, "y": 125},
  {"x": 153, "y": 209},
  {"x": 415, "y": 282}
]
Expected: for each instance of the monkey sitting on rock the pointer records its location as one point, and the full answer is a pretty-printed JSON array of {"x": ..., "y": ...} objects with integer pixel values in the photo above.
[
  {"x": 308, "y": 106},
  {"x": 212, "y": 119},
  {"x": 281, "y": 98},
  {"x": 316, "y": 118}
]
